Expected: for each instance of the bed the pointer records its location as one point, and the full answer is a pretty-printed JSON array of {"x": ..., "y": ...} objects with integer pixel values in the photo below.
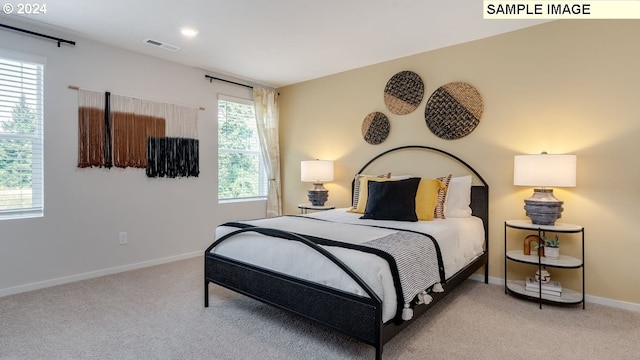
[{"x": 348, "y": 273}]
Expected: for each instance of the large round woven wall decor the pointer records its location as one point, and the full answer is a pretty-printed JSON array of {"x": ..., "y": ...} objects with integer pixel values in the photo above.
[
  {"x": 375, "y": 128},
  {"x": 453, "y": 110},
  {"x": 404, "y": 92}
]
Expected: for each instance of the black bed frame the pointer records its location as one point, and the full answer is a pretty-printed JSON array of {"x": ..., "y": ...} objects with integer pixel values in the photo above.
[{"x": 354, "y": 315}]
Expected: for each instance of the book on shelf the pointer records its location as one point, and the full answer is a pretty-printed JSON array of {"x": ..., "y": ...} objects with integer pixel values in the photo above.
[
  {"x": 536, "y": 292},
  {"x": 551, "y": 288}
]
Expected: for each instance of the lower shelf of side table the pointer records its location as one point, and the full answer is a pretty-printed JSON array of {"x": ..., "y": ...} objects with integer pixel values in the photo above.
[{"x": 569, "y": 297}]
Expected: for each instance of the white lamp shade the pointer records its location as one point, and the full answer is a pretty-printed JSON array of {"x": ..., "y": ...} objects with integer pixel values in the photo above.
[
  {"x": 544, "y": 170},
  {"x": 316, "y": 171}
]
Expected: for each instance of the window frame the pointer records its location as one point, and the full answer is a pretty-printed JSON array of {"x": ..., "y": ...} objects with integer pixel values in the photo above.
[
  {"x": 263, "y": 185},
  {"x": 37, "y": 139}
]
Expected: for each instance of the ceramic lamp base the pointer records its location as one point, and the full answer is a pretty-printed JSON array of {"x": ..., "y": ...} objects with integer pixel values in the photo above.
[
  {"x": 543, "y": 208},
  {"x": 318, "y": 195}
]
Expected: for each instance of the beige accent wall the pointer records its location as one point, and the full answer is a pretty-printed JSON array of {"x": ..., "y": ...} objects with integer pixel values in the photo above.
[{"x": 561, "y": 87}]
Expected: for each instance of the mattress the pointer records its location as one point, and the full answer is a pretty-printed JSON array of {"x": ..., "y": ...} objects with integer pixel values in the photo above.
[{"x": 460, "y": 240}]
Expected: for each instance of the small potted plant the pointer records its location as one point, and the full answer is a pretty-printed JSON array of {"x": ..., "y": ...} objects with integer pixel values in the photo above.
[{"x": 552, "y": 247}]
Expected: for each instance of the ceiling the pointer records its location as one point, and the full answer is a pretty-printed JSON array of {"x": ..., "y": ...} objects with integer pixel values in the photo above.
[{"x": 276, "y": 42}]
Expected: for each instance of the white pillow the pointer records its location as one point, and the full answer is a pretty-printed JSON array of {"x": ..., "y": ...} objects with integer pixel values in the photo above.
[
  {"x": 402, "y": 177},
  {"x": 458, "y": 198}
]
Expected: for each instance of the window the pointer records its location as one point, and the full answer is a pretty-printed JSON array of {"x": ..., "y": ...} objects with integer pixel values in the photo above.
[
  {"x": 241, "y": 173},
  {"x": 21, "y": 137}
]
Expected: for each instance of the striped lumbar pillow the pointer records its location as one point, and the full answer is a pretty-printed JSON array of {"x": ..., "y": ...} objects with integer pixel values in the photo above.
[{"x": 438, "y": 212}]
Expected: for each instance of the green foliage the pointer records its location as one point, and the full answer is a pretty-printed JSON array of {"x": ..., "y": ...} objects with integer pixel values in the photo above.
[
  {"x": 553, "y": 243},
  {"x": 238, "y": 151},
  {"x": 16, "y": 153},
  {"x": 23, "y": 119},
  {"x": 234, "y": 130},
  {"x": 238, "y": 175}
]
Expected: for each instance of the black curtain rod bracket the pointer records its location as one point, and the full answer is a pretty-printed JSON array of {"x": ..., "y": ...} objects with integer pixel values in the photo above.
[{"x": 58, "y": 40}]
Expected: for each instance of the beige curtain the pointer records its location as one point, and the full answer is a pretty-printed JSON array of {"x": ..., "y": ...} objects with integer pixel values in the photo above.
[{"x": 267, "y": 117}]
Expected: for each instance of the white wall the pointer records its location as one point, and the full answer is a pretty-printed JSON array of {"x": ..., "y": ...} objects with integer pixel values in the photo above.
[{"x": 85, "y": 209}]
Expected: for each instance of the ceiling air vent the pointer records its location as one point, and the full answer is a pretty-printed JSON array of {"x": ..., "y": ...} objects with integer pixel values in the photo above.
[{"x": 160, "y": 44}]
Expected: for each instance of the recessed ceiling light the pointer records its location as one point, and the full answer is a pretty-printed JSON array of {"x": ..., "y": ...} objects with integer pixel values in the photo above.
[{"x": 187, "y": 31}]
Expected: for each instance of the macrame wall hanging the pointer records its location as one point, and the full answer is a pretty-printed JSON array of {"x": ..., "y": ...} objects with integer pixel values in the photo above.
[
  {"x": 121, "y": 131},
  {"x": 94, "y": 146}
]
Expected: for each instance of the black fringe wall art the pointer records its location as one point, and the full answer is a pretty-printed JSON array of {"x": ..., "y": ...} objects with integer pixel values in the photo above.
[{"x": 172, "y": 157}]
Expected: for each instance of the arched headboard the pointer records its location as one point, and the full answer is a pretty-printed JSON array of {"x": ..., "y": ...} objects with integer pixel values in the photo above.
[{"x": 479, "y": 192}]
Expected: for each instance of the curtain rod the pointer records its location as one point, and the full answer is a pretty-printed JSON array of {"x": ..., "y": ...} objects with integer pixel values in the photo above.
[
  {"x": 211, "y": 78},
  {"x": 59, "y": 40},
  {"x": 73, "y": 87}
]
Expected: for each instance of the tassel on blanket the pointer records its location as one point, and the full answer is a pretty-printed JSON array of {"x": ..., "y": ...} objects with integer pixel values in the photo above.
[
  {"x": 424, "y": 298},
  {"x": 437, "y": 288},
  {"x": 407, "y": 312}
]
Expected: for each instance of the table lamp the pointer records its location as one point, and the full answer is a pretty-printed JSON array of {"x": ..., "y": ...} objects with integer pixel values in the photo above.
[
  {"x": 317, "y": 171},
  {"x": 542, "y": 171}
]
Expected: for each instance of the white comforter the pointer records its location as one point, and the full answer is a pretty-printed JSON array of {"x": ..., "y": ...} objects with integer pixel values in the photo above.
[{"x": 460, "y": 240}]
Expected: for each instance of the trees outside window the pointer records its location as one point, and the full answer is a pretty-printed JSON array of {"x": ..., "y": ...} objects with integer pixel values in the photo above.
[
  {"x": 21, "y": 139},
  {"x": 241, "y": 173},
  {"x": 15, "y": 170}
]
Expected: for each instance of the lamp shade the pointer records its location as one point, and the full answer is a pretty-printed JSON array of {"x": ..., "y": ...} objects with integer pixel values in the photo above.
[
  {"x": 544, "y": 170},
  {"x": 316, "y": 171}
]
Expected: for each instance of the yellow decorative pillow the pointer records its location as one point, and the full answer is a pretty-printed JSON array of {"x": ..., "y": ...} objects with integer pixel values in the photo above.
[
  {"x": 427, "y": 198},
  {"x": 356, "y": 186},
  {"x": 364, "y": 191}
]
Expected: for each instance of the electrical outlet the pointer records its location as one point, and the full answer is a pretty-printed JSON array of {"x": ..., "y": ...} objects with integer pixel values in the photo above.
[{"x": 123, "y": 238}]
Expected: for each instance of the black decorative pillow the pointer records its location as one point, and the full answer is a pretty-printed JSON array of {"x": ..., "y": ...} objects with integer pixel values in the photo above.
[
  {"x": 392, "y": 200},
  {"x": 357, "y": 184}
]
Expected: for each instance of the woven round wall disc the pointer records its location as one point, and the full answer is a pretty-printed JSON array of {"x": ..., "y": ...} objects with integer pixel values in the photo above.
[
  {"x": 404, "y": 92},
  {"x": 375, "y": 128},
  {"x": 453, "y": 110}
]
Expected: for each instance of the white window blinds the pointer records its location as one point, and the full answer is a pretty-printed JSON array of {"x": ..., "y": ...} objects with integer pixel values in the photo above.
[{"x": 21, "y": 136}]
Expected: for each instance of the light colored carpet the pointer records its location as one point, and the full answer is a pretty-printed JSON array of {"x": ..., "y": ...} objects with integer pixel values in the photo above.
[{"x": 158, "y": 313}]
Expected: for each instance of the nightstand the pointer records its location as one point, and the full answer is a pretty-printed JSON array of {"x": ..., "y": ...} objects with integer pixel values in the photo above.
[
  {"x": 304, "y": 208},
  {"x": 518, "y": 288}
]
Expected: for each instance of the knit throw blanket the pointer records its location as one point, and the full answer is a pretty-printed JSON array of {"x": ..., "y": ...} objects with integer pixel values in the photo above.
[{"x": 414, "y": 259}]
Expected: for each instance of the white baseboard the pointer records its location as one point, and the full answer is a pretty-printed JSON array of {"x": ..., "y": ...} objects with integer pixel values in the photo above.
[
  {"x": 93, "y": 274},
  {"x": 589, "y": 298}
]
